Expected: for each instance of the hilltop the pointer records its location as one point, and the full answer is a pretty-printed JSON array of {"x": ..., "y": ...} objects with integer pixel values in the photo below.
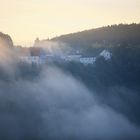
[
  {"x": 6, "y": 40},
  {"x": 104, "y": 36}
]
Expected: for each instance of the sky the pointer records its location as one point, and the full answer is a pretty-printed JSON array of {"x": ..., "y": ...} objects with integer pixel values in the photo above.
[{"x": 25, "y": 20}]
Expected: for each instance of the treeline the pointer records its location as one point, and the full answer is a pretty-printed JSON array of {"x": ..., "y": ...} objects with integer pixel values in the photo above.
[
  {"x": 6, "y": 39},
  {"x": 114, "y": 35}
]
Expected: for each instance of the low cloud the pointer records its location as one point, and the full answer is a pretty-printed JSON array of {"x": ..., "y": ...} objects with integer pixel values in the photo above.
[{"x": 55, "y": 106}]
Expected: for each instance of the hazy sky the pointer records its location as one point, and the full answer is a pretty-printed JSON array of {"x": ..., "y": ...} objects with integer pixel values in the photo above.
[{"x": 25, "y": 20}]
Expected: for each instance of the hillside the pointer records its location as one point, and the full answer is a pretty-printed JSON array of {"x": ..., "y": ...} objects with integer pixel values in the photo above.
[
  {"x": 107, "y": 36},
  {"x": 6, "y": 40},
  {"x": 59, "y": 89}
]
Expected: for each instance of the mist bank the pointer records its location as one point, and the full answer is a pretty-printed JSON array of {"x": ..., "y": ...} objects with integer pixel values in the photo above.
[
  {"x": 64, "y": 101},
  {"x": 55, "y": 105},
  {"x": 50, "y": 102}
]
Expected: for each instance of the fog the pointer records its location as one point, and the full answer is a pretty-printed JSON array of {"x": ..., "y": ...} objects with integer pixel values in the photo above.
[
  {"x": 53, "y": 47},
  {"x": 57, "y": 106}
]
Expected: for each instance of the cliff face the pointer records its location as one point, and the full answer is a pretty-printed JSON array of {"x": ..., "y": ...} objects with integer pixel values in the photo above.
[{"x": 6, "y": 40}]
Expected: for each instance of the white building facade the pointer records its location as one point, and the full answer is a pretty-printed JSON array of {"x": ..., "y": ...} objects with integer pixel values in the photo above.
[{"x": 87, "y": 60}]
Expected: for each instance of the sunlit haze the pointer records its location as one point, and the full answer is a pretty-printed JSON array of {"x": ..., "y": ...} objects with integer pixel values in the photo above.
[{"x": 25, "y": 20}]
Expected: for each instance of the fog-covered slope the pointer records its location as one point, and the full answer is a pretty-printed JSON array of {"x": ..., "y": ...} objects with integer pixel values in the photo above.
[{"x": 72, "y": 101}]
